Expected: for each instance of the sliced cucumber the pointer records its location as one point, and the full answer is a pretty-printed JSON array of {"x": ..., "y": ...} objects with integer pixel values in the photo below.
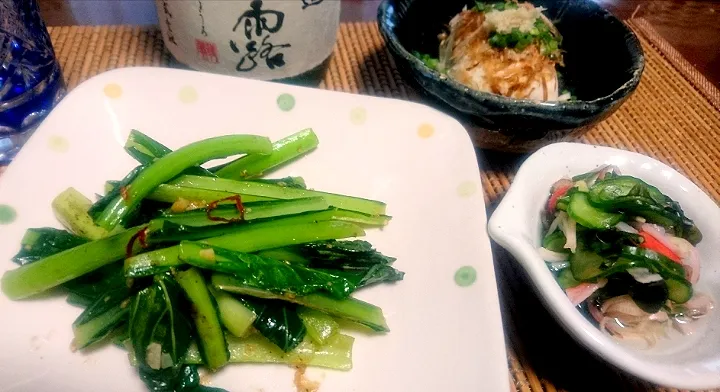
[
  {"x": 555, "y": 242},
  {"x": 566, "y": 280},
  {"x": 586, "y": 265},
  {"x": 585, "y": 214},
  {"x": 679, "y": 291},
  {"x": 562, "y": 203}
]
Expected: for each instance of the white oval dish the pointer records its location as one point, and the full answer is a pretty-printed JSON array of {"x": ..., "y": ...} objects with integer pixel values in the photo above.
[{"x": 691, "y": 362}]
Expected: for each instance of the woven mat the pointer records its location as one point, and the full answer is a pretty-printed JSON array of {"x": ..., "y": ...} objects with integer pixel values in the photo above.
[{"x": 673, "y": 116}]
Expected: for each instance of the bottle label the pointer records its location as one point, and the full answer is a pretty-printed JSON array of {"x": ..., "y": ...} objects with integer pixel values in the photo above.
[{"x": 256, "y": 39}]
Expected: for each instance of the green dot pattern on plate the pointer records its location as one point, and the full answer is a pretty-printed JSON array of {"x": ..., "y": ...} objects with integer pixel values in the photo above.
[
  {"x": 358, "y": 116},
  {"x": 286, "y": 102},
  {"x": 7, "y": 214},
  {"x": 465, "y": 276}
]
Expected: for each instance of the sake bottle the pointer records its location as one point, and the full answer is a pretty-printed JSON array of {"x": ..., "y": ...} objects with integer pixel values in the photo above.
[{"x": 280, "y": 40}]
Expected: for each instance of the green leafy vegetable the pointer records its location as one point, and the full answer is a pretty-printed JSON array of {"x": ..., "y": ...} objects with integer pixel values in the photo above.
[
  {"x": 481, "y": 6},
  {"x": 350, "y": 309},
  {"x": 90, "y": 287},
  {"x": 279, "y": 277},
  {"x": 101, "y": 318},
  {"x": 356, "y": 261},
  {"x": 548, "y": 39},
  {"x": 183, "y": 378},
  {"x": 39, "y": 243},
  {"x": 266, "y": 274},
  {"x": 244, "y": 238},
  {"x": 632, "y": 195},
  {"x": 278, "y": 321},
  {"x": 159, "y": 331},
  {"x": 430, "y": 61},
  {"x": 353, "y": 254},
  {"x": 586, "y": 265},
  {"x": 513, "y": 40}
]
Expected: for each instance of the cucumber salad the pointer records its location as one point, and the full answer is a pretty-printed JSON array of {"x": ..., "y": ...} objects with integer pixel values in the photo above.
[
  {"x": 184, "y": 264},
  {"x": 625, "y": 254}
]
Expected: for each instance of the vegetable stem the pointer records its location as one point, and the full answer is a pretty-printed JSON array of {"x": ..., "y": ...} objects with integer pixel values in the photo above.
[
  {"x": 335, "y": 354},
  {"x": 172, "y": 193},
  {"x": 61, "y": 267},
  {"x": 350, "y": 309},
  {"x": 174, "y": 163},
  {"x": 320, "y": 326},
  {"x": 146, "y": 150},
  {"x": 235, "y": 316},
  {"x": 246, "y": 238},
  {"x": 252, "y": 211},
  {"x": 284, "y": 150},
  {"x": 334, "y": 214},
  {"x": 71, "y": 209},
  {"x": 366, "y": 206},
  {"x": 207, "y": 323},
  {"x": 253, "y": 270}
]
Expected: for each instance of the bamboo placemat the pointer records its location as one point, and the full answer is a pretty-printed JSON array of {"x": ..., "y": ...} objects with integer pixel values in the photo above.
[{"x": 673, "y": 116}]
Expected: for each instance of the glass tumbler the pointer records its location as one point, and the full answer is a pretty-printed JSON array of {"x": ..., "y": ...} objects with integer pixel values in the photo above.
[{"x": 30, "y": 78}]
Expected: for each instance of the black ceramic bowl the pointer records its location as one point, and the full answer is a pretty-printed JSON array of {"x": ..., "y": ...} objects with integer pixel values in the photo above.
[{"x": 603, "y": 64}]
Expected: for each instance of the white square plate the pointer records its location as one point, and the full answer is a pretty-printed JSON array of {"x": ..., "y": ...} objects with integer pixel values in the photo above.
[{"x": 446, "y": 332}]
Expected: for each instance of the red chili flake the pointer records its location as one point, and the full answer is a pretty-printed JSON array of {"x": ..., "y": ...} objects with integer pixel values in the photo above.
[
  {"x": 124, "y": 193},
  {"x": 214, "y": 205},
  {"x": 140, "y": 236}
]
